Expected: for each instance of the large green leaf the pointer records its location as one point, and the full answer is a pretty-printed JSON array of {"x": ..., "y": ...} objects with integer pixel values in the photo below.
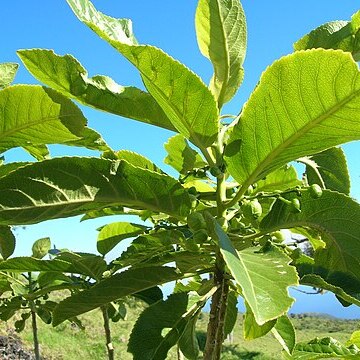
[
  {"x": 182, "y": 95},
  {"x": 263, "y": 275},
  {"x": 334, "y": 215},
  {"x": 181, "y": 156},
  {"x": 7, "y": 73},
  {"x": 222, "y": 37},
  {"x": 305, "y": 103},
  {"x": 111, "y": 289},
  {"x": 279, "y": 180},
  {"x": 25, "y": 264},
  {"x": 7, "y": 242},
  {"x": 32, "y": 115},
  {"x": 323, "y": 348},
  {"x": 329, "y": 170},
  {"x": 110, "y": 235},
  {"x": 66, "y": 75},
  {"x": 343, "y": 35},
  {"x": 64, "y": 187}
]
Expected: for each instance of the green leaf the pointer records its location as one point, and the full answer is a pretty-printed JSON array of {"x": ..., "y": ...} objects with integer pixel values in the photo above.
[
  {"x": 188, "y": 342},
  {"x": 7, "y": 242},
  {"x": 63, "y": 187},
  {"x": 284, "y": 332},
  {"x": 355, "y": 338},
  {"x": 146, "y": 340},
  {"x": 182, "y": 95},
  {"x": 110, "y": 235},
  {"x": 329, "y": 170},
  {"x": 7, "y": 73},
  {"x": 39, "y": 152},
  {"x": 117, "y": 286},
  {"x": 324, "y": 348},
  {"x": 222, "y": 37},
  {"x": 231, "y": 313},
  {"x": 334, "y": 215},
  {"x": 136, "y": 160},
  {"x": 41, "y": 248},
  {"x": 305, "y": 103},
  {"x": 66, "y": 75},
  {"x": 150, "y": 296},
  {"x": 30, "y": 264},
  {"x": 144, "y": 248},
  {"x": 317, "y": 281},
  {"x": 252, "y": 330},
  {"x": 181, "y": 156},
  {"x": 279, "y": 180},
  {"x": 343, "y": 35},
  {"x": 263, "y": 275}
]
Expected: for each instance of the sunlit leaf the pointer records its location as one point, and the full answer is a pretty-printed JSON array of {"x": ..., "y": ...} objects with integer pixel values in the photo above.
[
  {"x": 7, "y": 73},
  {"x": 41, "y": 248}
]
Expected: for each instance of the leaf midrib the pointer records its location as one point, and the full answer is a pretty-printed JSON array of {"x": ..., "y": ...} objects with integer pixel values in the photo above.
[{"x": 299, "y": 133}]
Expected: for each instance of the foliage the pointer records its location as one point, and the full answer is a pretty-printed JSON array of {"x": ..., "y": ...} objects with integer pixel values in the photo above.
[{"x": 222, "y": 217}]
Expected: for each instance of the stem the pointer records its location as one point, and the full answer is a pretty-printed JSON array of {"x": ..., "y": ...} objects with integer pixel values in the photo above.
[
  {"x": 33, "y": 322},
  {"x": 215, "y": 329},
  {"x": 109, "y": 345}
]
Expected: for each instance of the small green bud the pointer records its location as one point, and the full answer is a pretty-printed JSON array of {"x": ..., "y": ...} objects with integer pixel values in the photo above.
[
  {"x": 249, "y": 190},
  {"x": 278, "y": 236},
  {"x": 106, "y": 274},
  {"x": 252, "y": 209},
  {"x": 315, "y": 191},
  {"x": 295, "y": 205},
  {"x": 215, "y": 171}
]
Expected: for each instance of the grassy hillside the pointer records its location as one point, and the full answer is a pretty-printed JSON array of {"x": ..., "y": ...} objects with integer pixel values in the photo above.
[{"x": 68, "y": 342}]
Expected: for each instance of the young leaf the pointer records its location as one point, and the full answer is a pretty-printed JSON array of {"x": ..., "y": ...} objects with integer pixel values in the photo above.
[
  {"x": 329, "y": 170},
  {"x": 323, "y": 348},
  {"x": 252, "y": 330},
  {"x": 63, "y": 187},
  {"x": 263, "y": 275},
  {"x": 7, "y": 242},
  {"x": 119, "y": 285},
  {"x": 279, "y": 180},
  {"x": 222, "y": 37},
  {"x": 110, "y": 235},
  {"x": 231, "y": 313},
  {"x": 41, "y": 248},
  {"x": 284, "y": 332},
  {"x": 136, "y": 160},
  {"x": 343, "y": 35},
  {"x": 334, "y": 215},
  {"x": 66, "y": 75},
  {"x": 181, "y": 156},
  {"x": 7, "y": 73},
  {"x": 185, "y": 99},
  {"x": 39, "y": 152},
  {"x": 305, "y": 103}
]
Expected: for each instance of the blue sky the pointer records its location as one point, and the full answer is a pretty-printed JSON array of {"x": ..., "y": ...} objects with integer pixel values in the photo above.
[{"x": 273, "y": 26}]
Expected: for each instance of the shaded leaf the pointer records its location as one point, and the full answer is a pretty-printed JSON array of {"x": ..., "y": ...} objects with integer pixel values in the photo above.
[
  {"x": 329, "y": 170},
  {"x": 7, "y": 242},
  {"x": 188, "y": 342},
  {"x": 181, "y": 156},
  {"x": 63, "y": 187},
  {"x": 305, "y": 103},
  {"x": 119, "y": 285},
  {"x": 66, "y": 75},
  {"x": 150, "y": 296},
  {"x": 263, "y": 275},
  {"x": 343, "y": 35},
  {"x": 279, "y": 180},
  {"x": 335, "y": 216},
  {"x": 182, "y": 95},
  {"x": 284, "y": 332},
  {"x": 231, "y": 313},
  {"x": 110, "y": 235},
  {"x": 7, "y": 73},
  {"x": 222, "y": 37}
]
